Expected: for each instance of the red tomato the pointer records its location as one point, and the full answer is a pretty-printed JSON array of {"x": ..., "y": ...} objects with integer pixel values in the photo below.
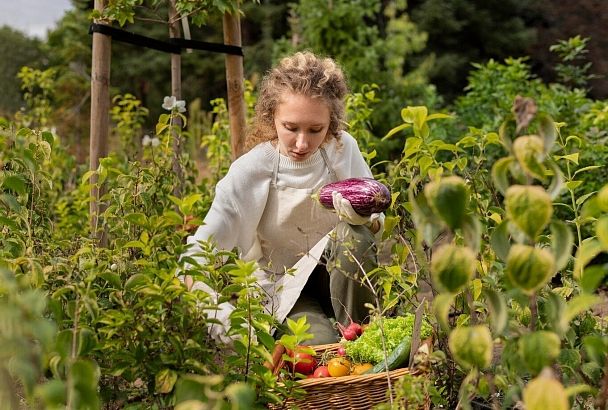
[
  {"x": 321, "y": 371},
  {"x": 303, "y": 362}
]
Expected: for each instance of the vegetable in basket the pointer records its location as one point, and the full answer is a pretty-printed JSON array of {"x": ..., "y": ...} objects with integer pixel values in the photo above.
[{"x": 368, "y": 348}]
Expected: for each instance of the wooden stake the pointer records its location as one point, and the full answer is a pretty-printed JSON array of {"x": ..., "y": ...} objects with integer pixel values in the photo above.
[
  {"x": 100, "y": 108},
  {"x": 176, "y": 91},
  {"x": 234, "y": 82}
]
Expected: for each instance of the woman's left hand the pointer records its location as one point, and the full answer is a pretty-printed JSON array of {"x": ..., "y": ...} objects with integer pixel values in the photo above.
[{"x": 347, "y": 214}]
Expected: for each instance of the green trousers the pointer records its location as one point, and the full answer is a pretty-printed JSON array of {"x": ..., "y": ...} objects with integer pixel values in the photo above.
[{"x": 336, "y": 288}]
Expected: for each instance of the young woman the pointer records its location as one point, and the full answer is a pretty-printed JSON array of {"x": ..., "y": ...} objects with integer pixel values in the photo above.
[{"x": 263, "y": 206}]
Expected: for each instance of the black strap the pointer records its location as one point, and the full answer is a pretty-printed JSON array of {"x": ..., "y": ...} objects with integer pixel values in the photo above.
[{"x": 174, "y": 45}]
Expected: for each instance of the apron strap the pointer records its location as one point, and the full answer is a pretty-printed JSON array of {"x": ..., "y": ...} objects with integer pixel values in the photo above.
[
  {"x": 332, "y": 173},
  {"x": 275, "y": 170}
]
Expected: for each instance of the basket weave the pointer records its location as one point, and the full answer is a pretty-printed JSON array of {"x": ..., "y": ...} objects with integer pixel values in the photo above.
[{"x": 347, "y": 392}]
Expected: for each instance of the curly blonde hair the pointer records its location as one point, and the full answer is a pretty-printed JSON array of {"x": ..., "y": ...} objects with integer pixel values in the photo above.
[{"x": 303, "y": 73}]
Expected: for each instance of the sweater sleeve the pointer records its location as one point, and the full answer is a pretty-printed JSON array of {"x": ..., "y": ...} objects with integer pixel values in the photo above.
[
  {"x": 230, "y": 223},
  {"x": 349, "y": 162}
]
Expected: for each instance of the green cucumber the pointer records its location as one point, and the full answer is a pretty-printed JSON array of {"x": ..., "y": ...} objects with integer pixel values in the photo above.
[{"x": 398, "y": 356}]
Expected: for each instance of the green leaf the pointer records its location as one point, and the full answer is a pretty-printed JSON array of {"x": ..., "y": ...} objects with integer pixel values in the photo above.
[
  {"x": 592, "y": 277},
  {"x": 499, "y": 240},
  {"x": 562, "y": 241},
  {"x": 591, "y": 209},
  {"x": 137, "y": 218},
  {"x": 471, "y": 230},
  {"x": 589, "y": 168},
  {"x": 572, "y": 185},
  {"x": 441, "y": 308},
  {"x": 188, "y": 202},
  {"x": 172, "y": 217},
  {"x": 595, "y": 348},
  {"x": 48, "y": 137},
  {"x": 437, "y": 116},
  {"x": 160, "y": 128},
  {"x": 583, "y": 198},
  {"x": 415, "y": 115},
  {"x": 557, "y": 182},
  {"x": 499, "y": 313},
  {"x": 112, "y": 278},
  {"x": 85, "y": 374},
  {"x": 570, "y": 157},
  {"x": 395, "y": 131},
  {"x": 15, "y": 183},
  {"x": 87, "y": 175},
  {"x": 136, "y": 281},
  {"x": 556, "y": 305},
  {"x": 63, "y": 343},
  {"x": 588, "y": 250},
  {"x": 165, "y": 380},
  {"x": 52, "y": 393},
  {"x": 579, "y": 304},
  {"x": 241, "y": 395},
  {"x": 601, "y": 231},
  {"x": 503, "y": 133},
  {"x": 500, "y": 174},
  {"x": 477, "y": 287},
  {"x": 574, "y": 138},
  {"x": 547, "y": 131},
  {"x": 85, "y": 341}
]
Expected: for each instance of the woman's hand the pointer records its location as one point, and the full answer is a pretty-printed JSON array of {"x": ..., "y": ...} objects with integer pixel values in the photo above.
[{"x": 347, "y": 214}]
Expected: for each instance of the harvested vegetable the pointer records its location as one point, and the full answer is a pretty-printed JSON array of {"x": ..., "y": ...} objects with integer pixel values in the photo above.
[
  {"x": 366, "y": 195},
  {"x": 368, "y": 348}
]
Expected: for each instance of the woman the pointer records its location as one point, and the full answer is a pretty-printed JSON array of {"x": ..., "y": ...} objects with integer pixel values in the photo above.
[{"x": 263, "y": 206}]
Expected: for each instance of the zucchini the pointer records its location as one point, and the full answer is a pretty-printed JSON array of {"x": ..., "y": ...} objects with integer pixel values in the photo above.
[{"x": 398, "y": 356}]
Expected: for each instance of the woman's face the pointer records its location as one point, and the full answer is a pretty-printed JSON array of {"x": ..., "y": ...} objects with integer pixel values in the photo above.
[{"x": 301, "y": 123}]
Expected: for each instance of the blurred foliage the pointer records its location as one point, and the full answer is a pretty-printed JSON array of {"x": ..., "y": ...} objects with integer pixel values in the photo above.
[
  {"x": 16, "y": 51},
  {"x": 461, "y": 32}
]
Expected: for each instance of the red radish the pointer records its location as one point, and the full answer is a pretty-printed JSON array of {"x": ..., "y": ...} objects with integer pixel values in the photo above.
[
  {"x": 356, "y": 327},
  {"x": 366, "y": 195},
  {"x": 321, "y": 371},
  {"x": 341, "y": 351},
  {"x": 347, "y": 332}
]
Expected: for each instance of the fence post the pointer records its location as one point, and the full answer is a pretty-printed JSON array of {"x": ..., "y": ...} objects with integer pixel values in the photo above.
[
  {"x": 234, "y": 82},
  {"x": 100, "y": 109},
  {"x": 176, "y": 91}
]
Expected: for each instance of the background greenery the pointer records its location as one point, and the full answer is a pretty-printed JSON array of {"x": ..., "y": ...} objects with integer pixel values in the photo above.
[{"x": 432, "y": 85}]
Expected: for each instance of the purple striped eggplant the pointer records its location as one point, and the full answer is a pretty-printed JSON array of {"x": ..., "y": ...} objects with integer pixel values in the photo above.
[{"x": 366, "y": 195}]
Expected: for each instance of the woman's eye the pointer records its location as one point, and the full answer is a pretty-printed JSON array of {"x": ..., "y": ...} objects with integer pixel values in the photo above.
[
  {"x": 316, "y": 131},
  {"x": 290, "y": 128}
]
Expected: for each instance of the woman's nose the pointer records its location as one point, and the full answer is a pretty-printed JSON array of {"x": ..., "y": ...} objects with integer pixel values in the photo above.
[{"x": 302, "y": 142}]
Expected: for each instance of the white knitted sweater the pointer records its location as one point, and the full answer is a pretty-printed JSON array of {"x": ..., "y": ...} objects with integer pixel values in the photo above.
[{"x": 240, "y": 197}]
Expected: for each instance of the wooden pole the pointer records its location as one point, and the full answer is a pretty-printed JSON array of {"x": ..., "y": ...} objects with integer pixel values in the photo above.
[
  {"x": 234, "y": 82},
  {"x": 176, "y": 91},
  {"x": 100, "y": 109}
]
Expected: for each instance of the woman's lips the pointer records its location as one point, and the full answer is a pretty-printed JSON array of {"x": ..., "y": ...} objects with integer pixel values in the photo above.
[{"x": 299, "y": 155}]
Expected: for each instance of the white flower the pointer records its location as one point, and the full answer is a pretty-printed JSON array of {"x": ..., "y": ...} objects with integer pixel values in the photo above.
[
  {"x": 113, "y": 266},
  {"x": 171, "y": 103},
  {"x": 155, "y": 142},
  {"x": 146, "y": 140},
  {"x": 180, "y": 105}
]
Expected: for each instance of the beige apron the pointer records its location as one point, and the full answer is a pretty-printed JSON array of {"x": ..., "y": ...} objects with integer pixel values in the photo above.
[{"x": 293, "y": 233}]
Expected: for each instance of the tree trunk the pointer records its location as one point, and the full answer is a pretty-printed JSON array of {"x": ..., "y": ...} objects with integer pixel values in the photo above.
[
  {"x": 234, "y": 82},
  {"x": 100, "y": 108}
]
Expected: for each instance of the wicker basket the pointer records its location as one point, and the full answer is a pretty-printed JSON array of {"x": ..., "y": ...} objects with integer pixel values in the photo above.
[{"x": 347, "y": 392}]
